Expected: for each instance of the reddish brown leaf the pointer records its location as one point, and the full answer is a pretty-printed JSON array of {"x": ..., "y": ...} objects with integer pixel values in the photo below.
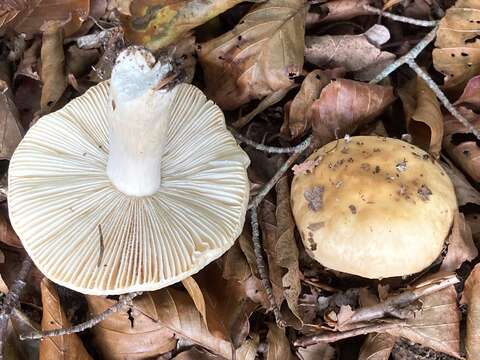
[
  {"x": 260, "y": 56},
  {"x": 471, "y": 298},
  {"x": 7, "y": 234},
  {"x": 471, "y": 94},
  {"x": 461, "y": 145},
  {"x": 346, "y": 104},
  {"x": 58, "y": 347}
]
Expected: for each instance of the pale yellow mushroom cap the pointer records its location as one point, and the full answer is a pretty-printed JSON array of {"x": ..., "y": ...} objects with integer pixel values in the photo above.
[{"x": 373, "y": 207}]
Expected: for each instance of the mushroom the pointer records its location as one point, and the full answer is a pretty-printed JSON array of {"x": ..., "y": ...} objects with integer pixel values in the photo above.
[
  {"x": 372, "y": 206},
  {"x": 133, "y": 186}
]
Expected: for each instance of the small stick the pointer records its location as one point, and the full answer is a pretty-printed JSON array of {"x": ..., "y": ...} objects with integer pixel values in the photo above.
[
  {"x": 443, "y": 99},
  {"x": 328, "y": 336},
  {"x": 122, "y": 302},
  {"x": 262, "y": 268},
  {"x": 272, "y": 182},
  {"x": 412, "y": 54},
  {"x": 404, "y": 19},
  {"x": 266, "y": 148},
  {"x": 11, "y": 300}
]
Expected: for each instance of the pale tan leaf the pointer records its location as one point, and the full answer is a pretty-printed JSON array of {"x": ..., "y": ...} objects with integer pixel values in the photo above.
[
  {"x": 436, "y": 324},
  {"x": 346, "y": 104},
  {"x": 377, "y": 346},
  {"x": 471, "y": 298},
  {"x": 58, "y": 347},
  {"x": 197, "y": 296},
  {"x": 160, "y": 23},
  {"x": 260, "y": 56},
  {"x": 278, "y": 345},
  {"x": 116, "y": 334}
]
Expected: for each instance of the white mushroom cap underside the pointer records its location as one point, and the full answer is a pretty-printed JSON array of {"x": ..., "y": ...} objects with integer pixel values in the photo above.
[
  {"x": 59, "y": 194},
  {"x": 374, "y": 207}
]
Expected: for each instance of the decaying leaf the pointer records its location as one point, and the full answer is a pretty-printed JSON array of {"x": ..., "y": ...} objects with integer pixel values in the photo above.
[
  {"x": 355, "y": 53},
  {"x": 461, "y": 145},
  {"x": 197, "y": 296},
  {"x": 377, "y": 346},
  {"x": 464, "y": 191},
  {"x": 11, "y": 132},
  {"x": 457, "y": 55},
  {"x": 116, "y": 334},
  {"x": 423, "y": 116},
  {"x": 286, "y": 247},
  {"x": 58, "y": 347},
  {"x": 261, "y": 55},
  {"x": 278, "y": 345},
  {"x": 159, "y": 23},
  {"x": 471, "y": 94},
  {"x": 28, "y": 16},
  {"x": 196, "y": 354},
  {"x": 338, "y": 10},
  {"x": 437, "y": 324},
  {"x": 7, "y": 234},
  {"x": 471, "y": 298},
  {"x": 53, "y": 66},
  {"x": 346, "y": 104}
]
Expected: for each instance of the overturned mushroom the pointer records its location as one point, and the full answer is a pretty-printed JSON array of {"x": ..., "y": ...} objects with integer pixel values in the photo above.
[
  {"x": 374, "y": 207},
  {"x": 132, "y": 186}
]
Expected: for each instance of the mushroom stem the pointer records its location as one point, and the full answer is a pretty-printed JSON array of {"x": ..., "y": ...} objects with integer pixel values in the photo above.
[{"x": 139, "y": 116}]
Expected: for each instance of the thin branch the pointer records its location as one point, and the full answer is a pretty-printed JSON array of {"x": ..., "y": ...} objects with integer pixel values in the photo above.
[
  {"x": 328, "y": 336},
  {"x": 269, "y": 149},
  {"x": 262, "y": 268},
  {"x": 443, "y": 99},
  {"x": 271, "y": 183},
  {"x": 404, "y": 19},
  {"x": 412, "y": 54},
  {"x": 125, "y": 300},
  {"x": 11, "y": 300}
]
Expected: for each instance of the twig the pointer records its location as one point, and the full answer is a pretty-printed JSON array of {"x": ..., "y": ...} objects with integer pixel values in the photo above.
[
  {"x": 328, "y": 336},
  {"x": 262, "y": 268},
  {"x": 266, "y": 148},
  {"x": 404, "y": 19},
  {"x": 443, "y": 99},
  {"x": 11, "y": 300},
  {"x": 271, "y": 183},
  {"x": 412, "y": 54},
  {"x": 124, "y": 301},
  {"x": 391, "y": 305}
]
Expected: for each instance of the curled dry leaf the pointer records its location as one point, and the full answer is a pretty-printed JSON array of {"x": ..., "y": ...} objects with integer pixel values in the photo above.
[
  {"x": 337, "y": 10},
  {"x": 7, "y": 234},
  {"x": 377, "y": 346},
  {"x": 156, "y": 24},
  {"x": 346, "y": 104},
  {"x": 312, "y": 85},
  {"x": 471, "y": 298},
  {"x": 355, "y": 53},
  {"x": 58, "y": 347},
  {"x": 457, "y": 55},
  {"x": 464, "y": 191},
  {"x": 53, "y": 66},
  {"x": 462, "y": 146},
  {"x": 286, "y": 248},
  {"x": 197, "y": 296},
  {"x": 261, "y": 55},
  {"x": 278, "y": 344},
  {"x": 11, "y": 132},
  {"x": 27, "y": 17},
  {"x": 436, "y": 325},
  {"x": 116, "y": 334},
  {"x": 423, "y": 116}
]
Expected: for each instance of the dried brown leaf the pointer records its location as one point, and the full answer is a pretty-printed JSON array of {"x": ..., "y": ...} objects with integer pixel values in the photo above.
[
  {"x": 436, "y": 325},
  {"x": 22, "y": 324},
  {"x": 471, "y": 94},
  {"x": 461, "y": 145},
  {"x": 458, "y": 51},
  {"x": 471, "y": 298},
  {"x": 464, "y": 191},
  {"x": 312, "y": 85},
  {"x": 338, "y": 10},
  {"x": 260, "y": 56},
  {"x": 7, "y": 234},
  {"x": 196, "y": 354},
  {"x": 473, "y": 221},
  {"x": 78, "y": 61},
  {"x": 318, "y": 351},
  {"x": 53, "y": 66},
  {"x": 159, "y": 23},
  {"x": 197, "y": 296},
  {"x": 116, "y": 334},
  {"x": 346, "y": 104},
  {"x": 423, "y": 116},
  {"x": 377, "y": 346},
  {"x": 11, "y": 131},
  {"x": 286, "y": 248},
  {"x": 278, "y": 345},
  {"x": 28, "y": 16},
  {"x": 58, "y": 347},
  {"x": 355, "y": 53}
]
